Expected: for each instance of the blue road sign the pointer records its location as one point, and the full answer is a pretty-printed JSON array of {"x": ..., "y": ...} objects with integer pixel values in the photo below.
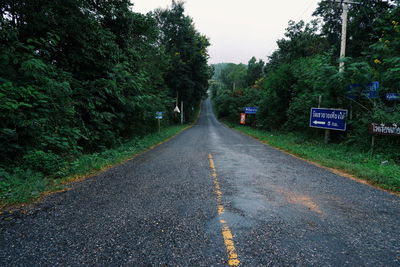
[
  {"x": 371, "y": 90},
  {"x": 159, "y": 115},
  {"x": 393, "y": 96},
  {"x": 250, "y": 110},
  {"x": 327, "y": 118}
]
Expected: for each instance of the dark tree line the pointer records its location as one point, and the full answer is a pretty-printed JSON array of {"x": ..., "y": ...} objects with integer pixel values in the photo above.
[{"x": 80, "y": 76}]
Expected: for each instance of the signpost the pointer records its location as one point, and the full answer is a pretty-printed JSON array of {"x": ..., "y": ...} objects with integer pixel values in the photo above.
[
  {"x": 392, "y": 129},
  {"x": 250, "y": 110},
  {"x": 159, "y": 116},
  {"x": 327, "y": 118}
]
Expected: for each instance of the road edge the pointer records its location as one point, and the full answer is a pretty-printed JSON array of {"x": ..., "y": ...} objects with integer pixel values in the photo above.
[
  {"x": 21, "y": 207},
  {"x": 338, "y": 172}
]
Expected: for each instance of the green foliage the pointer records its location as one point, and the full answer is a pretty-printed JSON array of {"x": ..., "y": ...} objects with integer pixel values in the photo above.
[
  {"x": 230, "y": 104},
  {"x": 362, "y": 28},
  {"x": 21, "y": 185},
  {"x": 302, "y": 40},
  {"x": 188, "y": 73},
  {"x": 254, "y": 71},
  {"x": 46, "y": 163},
  {"x": 234, "y": 76},
  {"x": 82, "y": 76}
]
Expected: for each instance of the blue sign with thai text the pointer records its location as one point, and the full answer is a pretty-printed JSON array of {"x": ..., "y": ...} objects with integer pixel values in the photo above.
[
  {"x": 250, "y": 110},
  {"x": 392, "y": 96},
  {"x": 327, "y": 118}
]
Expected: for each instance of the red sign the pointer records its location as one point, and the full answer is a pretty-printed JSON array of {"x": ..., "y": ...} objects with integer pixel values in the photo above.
[
  {"x": 242, "y": 118},
  {"x": 385, "y": 129}
]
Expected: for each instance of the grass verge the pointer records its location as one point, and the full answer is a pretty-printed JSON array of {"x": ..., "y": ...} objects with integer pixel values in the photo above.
[
  {"x": 376, "y": 169},
  {"x": 26, "y": 186}
]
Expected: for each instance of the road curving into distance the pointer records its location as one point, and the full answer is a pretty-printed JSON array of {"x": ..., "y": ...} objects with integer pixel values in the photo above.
[{"x": 209, "y": 197}]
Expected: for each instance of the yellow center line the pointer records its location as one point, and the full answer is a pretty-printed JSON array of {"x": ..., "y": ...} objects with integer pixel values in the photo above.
[{"x": 233, "y": 259}]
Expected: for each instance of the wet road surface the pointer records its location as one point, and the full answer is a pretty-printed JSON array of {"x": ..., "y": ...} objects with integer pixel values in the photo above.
[{"x": 208, "y": 197}]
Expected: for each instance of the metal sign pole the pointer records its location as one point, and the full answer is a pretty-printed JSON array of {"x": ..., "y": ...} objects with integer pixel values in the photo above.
[{"x": 182, "y": 112}]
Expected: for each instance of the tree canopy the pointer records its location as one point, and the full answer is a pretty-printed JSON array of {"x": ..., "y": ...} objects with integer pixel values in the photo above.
[{"x": 80, "y": 76}]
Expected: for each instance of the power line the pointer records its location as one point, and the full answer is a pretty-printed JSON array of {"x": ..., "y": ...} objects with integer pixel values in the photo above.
[
  {"x": 307, "y": 9},
  {"x": 298, "y": 18}
]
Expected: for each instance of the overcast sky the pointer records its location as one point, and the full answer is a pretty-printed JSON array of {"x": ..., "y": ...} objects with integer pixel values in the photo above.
[{"x": 239, "y": 29}]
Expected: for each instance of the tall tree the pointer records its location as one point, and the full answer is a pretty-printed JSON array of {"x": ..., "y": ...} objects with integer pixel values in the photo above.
[
  {"x": 361, "y": 27},
  {"x": 254, "y": 71},
  {"x": 188, "y": 74}
]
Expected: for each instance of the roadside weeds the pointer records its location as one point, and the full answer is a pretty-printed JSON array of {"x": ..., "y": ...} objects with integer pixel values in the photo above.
[{"x": 84, "y": 167}]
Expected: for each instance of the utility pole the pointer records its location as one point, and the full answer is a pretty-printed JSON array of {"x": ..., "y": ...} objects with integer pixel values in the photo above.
[
  {"x": 345, "y": 11},
  {"x": 343, "y": 36}
]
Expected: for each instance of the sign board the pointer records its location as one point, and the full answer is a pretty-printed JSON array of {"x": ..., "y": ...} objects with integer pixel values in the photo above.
[
  {"x": 159, "y": 115},
  {"x": 369, "y": 90},
  {"x": 250, "y": 110},
  {"x": 242, "y": 118},
  {"x": 385, "y": 129},
  {"x": 327, "y": 118},
  {"x": 393, "y": 96}
]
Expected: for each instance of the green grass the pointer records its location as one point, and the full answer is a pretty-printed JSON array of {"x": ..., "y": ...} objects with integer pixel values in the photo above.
[
  {"x": 378, "y": 169},
  {"x": 24, "y": 186}
]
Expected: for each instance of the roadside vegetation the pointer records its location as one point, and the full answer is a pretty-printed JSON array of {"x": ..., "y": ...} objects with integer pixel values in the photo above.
[
  {"x": 304, "y": 73},
  {"x": 80, "y": 84},
  {"x": 25, "y": 185}
]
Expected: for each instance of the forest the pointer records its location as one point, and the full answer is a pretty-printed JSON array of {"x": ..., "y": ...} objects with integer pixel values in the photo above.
[
  {"x": 82, "y": 76},
  {"x": 304, "y": 73}
]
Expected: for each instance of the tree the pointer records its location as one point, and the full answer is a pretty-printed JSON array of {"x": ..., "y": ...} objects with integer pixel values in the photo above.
[
  {"x": 302, "y": 40},
  {"x": 234, "y": 76},
  {"x": 254, "y": 71},
  {"x": 188, "y": 74},
  {"x": 361, "y": 27}
]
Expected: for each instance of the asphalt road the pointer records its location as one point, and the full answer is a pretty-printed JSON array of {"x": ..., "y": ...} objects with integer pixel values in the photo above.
[{"x": 208, "y": 197}]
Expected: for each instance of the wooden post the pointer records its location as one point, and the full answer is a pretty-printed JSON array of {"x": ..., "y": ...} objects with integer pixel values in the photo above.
[
  {"x": 159, "y": 125},
  {"x": 372, "y": 143},
  {"x": 327, "y": 136}
]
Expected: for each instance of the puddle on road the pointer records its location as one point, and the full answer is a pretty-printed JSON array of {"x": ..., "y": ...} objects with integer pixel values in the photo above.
[{"x": 298, "y": 199}]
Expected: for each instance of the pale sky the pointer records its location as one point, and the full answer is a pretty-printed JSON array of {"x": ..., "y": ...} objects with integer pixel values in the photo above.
[{"x": 239, "y": 29}]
